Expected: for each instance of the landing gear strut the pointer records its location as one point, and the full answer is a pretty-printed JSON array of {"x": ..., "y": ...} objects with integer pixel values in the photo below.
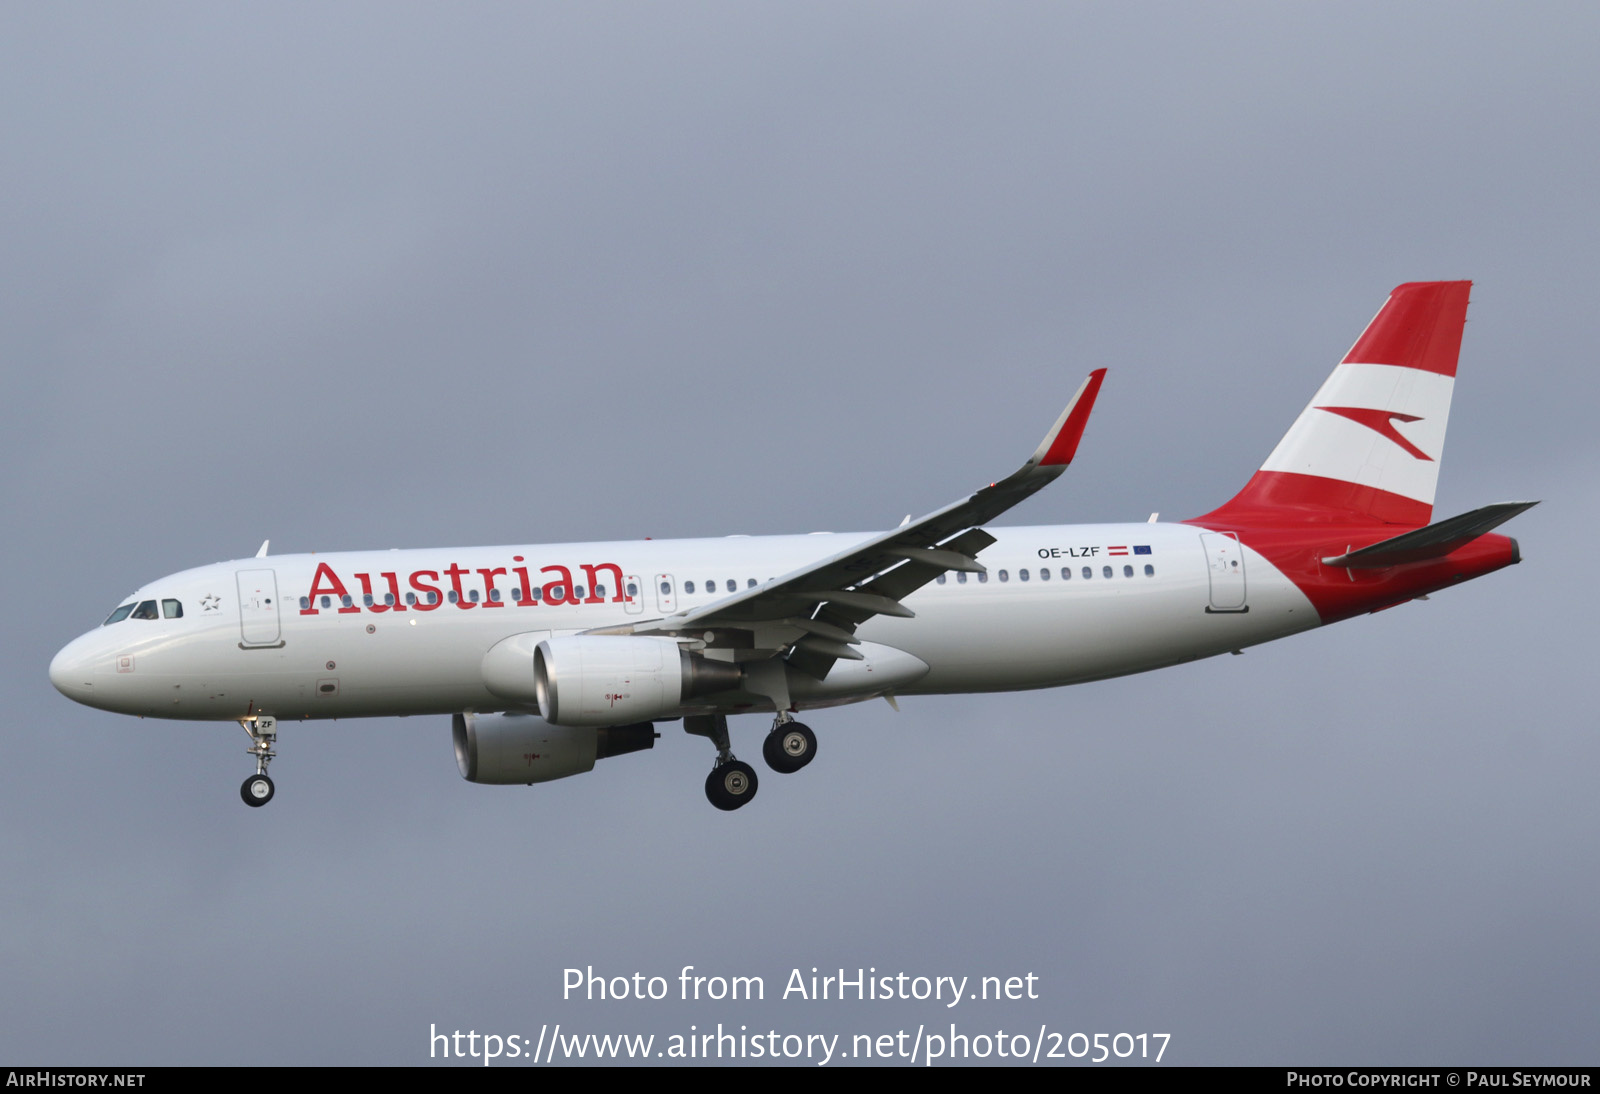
[
  {"x": 263, "y": 729},
  {"x": 732, "y": 782},
  {"x": 790, "y": 745}
]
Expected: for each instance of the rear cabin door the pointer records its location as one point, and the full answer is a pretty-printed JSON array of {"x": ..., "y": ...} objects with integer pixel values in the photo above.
[{"x": 1225, "y": 562}]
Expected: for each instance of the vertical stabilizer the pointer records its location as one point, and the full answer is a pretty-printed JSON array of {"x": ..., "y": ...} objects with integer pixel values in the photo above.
[{"x": 1368, "y": 446}]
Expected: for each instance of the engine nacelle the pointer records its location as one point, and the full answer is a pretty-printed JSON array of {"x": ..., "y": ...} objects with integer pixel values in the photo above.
[
  {"x": 503, "y": 749},
  {"x": 599, "y": 680}
]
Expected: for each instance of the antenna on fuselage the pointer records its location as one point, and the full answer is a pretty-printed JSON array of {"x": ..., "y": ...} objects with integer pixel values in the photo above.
[{"x": 263, "y": 552}]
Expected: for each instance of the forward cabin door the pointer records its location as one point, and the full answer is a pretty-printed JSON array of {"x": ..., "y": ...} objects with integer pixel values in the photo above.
[{"x": 258, "y": 607}]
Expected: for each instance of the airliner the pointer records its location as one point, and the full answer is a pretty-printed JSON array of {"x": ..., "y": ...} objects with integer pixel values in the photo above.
[{"x": 550, "y": 657}]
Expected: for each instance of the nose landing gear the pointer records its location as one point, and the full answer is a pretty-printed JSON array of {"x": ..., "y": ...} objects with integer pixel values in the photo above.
[{"x": 258, "y": 788}]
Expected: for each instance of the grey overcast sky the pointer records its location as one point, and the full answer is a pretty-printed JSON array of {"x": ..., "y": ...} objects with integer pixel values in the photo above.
[{"x": 371, "y": 275}]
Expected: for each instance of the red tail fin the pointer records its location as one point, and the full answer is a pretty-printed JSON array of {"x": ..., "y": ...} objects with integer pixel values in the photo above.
[{"x": 1367, "y": 449}]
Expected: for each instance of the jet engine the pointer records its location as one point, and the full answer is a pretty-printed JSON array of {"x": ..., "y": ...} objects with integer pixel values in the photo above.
[
  {"x": 503, "y": 749},
  {"x": 599, "y": 680}
]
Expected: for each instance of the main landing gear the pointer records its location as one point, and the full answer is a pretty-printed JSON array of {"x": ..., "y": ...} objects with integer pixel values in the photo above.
[
  {"x": 263, "y": 729},
  {"x": 790, "y": 745},
  {"x": 732, "y": 782}
]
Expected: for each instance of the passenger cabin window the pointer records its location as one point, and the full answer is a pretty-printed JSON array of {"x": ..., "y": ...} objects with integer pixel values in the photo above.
[
  {"x": 1044, "y": 573},
  {"x": 983, "y": 579},
  {"x": 453, "y": 596},
  {"x": 433, "y": 598},
  {"x": 1022, "y": 575},
  {"x": 600, "y": 591},
  {"x": 1105, "y": 571},
  {"x": 1004, "y": 576},
  {"x": 494, "y": 595},
  {"x": 750, "y": 583},
  {"x": 472, "y": 595},
  {"x": 733, "y": 586},
  {"x": 305, "y": 603},
  {"x": 146, "y": 610},
  {"x": 327, "y": 602},
  {"x": 666, "y": 588},
  {"x": 171, "y": 609},
  {"x": 940, "y": 579},
  {"x": 633, "y": 590},
  {"x": 1066, "y": 573},
  {"x": 1087, "y": 573},
  {"x": 688, "y": 587},
  {"x": 411, "y": 598},
  {"x": 1149, "y": 570},
  {"x": 119, "y": 615},
  {"x": 346, "y": 601},
  {"x": 1127, "y": 571},
  {"x": 961, "y": 577},
  {"x": 366, "y": 599}
]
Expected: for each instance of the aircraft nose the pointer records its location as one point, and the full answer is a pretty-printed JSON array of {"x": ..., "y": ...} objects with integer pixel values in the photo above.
[{"x": 71, "y": 670}]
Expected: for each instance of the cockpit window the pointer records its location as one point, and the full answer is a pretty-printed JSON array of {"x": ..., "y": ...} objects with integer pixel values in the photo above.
[
  {"x": 146, "y": 610},
  {"x": 172, "y": 609},
  {"x": 118, "y": 616}
]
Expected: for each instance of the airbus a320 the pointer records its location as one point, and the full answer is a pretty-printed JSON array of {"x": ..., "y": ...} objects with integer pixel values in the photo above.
[{"x": 550, "y": 657}]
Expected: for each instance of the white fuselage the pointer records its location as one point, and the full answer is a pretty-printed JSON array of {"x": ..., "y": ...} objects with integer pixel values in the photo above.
[
  {"x": 268, "y": 636},
  {"x": 582, "y": 648}
]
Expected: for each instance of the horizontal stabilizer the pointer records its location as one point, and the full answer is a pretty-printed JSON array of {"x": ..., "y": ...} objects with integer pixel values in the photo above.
[{"x": 1434, "y": 541}]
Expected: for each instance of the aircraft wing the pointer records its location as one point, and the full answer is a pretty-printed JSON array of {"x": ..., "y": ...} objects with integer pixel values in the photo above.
[{"x": 814, "y": 611}]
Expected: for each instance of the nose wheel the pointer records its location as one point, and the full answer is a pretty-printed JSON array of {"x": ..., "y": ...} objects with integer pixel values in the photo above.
[{"x": 257, "y": 790}]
